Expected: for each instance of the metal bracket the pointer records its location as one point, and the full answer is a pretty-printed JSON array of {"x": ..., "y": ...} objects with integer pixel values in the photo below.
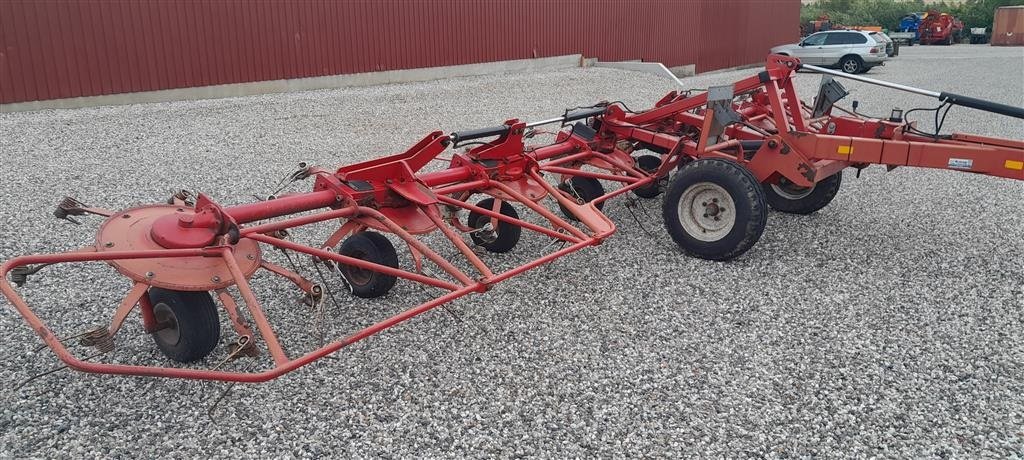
[
  {"x": 720, "y": 102},
  {"x": 830, "y": 92}
]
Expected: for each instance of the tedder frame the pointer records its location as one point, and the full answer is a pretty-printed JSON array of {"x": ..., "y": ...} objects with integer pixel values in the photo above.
[{"x": 721, "y": 157}]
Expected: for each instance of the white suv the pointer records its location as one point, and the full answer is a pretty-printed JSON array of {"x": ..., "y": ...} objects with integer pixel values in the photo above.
[{"x": 852, "y": 51}]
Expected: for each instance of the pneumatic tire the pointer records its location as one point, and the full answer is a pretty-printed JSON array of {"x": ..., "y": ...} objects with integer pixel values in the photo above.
[
  {"x": 584, "y": 190},
  {"x": 783, "y": 196},
  {"x": 648, "y": 164},
  {"x": 715, "y": 209},
  {"x": 371, "y": 247},
  {"x": 501, "y": 239},
  {"x": 187, "y": 322}
]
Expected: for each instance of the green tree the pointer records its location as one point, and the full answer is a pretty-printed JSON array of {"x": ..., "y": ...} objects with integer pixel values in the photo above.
[{"x": 887, "y": 13}]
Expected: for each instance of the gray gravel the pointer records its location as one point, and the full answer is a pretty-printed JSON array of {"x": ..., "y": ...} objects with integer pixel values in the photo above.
[{"x": 889, "y": 324}]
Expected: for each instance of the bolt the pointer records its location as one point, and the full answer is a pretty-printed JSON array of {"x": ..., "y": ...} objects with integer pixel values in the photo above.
[
  {"x": 215, "y": 279},
  {"x": 704, "y": 203},
  {"x": 705, "y": 214},
  {"x": 150, "y": 274},
  {"x": 714, "y": 200},
  {"x": 250, "y": 257},
  {"x": 718, "y": 218},
  {"x": 772, "y": 144},
  {"x": 126, "y": 216},
  {"x": 109, "y": 244}
]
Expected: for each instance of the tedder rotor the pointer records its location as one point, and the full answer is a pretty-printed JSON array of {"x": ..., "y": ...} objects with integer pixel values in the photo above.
[{"x": 719, "y": 157}]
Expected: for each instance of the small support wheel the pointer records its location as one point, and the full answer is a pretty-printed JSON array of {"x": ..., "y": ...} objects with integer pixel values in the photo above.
[
  {"x": 650, "y": 165},
  {"x": 371, "y": 247},
  {"x": 501, "y": 239},
  {"x": 188, "y": 326},
  {"x": 784, "y": 196},
  {"x": 715, "y": 209},
  {"x": 584, "y": 190}
]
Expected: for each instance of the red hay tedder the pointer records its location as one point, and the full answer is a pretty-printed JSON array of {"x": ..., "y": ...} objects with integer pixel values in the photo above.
[{"x": 721, "y": 157}]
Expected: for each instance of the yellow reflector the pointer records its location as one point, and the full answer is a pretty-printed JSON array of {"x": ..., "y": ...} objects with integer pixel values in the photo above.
[
  {"x": 844, "y": 150},
  {"x": 1014, "y": 164}
]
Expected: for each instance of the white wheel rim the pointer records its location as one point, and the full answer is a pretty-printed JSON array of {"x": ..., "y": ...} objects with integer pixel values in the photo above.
[
  {"x": 850, "y": 66},
  {"x": 706, "y": 211},
  {"x": 790, "y": 192}
]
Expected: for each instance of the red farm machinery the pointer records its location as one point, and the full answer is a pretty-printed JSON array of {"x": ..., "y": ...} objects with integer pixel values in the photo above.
[
  {"x": 719, "y": 157},
  {"x": 939, "y": 29}
]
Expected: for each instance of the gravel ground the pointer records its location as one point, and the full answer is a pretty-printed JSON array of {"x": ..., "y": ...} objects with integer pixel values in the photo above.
[{"x": 889, "y": 324}]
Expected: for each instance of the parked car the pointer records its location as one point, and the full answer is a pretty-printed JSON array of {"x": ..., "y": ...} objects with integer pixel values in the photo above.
[
  {"x": 891, "y": 48},
  {"x": 852, "y": 51}
]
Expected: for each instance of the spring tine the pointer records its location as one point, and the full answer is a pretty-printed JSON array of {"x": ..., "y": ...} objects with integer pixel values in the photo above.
[
  {"x": 65, "y": 339},
  {"x": 241, "y": 343},
  {"x": 48, "y": 372},
  {"x": 452, "y": 312},
  {"x": 224, "y": 394}
]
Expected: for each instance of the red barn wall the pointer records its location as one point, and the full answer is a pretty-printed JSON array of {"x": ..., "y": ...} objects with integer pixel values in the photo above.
[{"x": 52, "y": 49}]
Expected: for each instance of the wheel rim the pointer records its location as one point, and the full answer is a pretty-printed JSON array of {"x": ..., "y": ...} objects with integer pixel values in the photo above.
[
  {"x": 850, "y": 66},
  {"x": 358, "y": 275},
  {"x": 791, "y": 191},
  {"x": 485, "y": 232},
  {"x": 568, "y": 187},
  {"x": 706, "y": 211},
  {"x": 168, "y": 323}
]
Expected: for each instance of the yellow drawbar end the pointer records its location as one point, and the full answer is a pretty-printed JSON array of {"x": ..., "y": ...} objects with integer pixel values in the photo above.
[{"x": 1014, "y": 164}]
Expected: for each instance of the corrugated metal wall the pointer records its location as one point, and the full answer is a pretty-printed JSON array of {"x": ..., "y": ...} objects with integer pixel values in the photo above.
[{"x": 51, "y": 49}]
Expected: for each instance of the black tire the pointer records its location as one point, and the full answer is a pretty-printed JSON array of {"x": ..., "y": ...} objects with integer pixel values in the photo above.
[
  {"x": 785, "y": 197},
  {"x": 502, "y": 239},
  {"x": 371, "y": 247},
  {"x": 585, "y": 189},
  {"x": 648, "y": 164},
  {"x": 188, "y": 323},
  {"x": 851, "y": 64},
  {"x": 708, "y": 186}
]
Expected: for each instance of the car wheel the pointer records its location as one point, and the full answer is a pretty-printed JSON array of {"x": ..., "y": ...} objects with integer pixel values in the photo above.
[{"x": 851, "y": 64}]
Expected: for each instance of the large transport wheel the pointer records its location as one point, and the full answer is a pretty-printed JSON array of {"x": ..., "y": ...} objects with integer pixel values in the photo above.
[
  {"x": 371, "y": 247},
  {"x": 188, "y": 327},
  {"x": 784, "y": 196},
  {"x": 650, "y": 165},
  {"x": 715, "y": 209},
  {"x": 500, "y": 239},
  {"x": 584, "y": 190}
]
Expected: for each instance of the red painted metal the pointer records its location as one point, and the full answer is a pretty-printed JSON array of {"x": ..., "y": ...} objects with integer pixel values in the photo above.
[
  {"x": 776, "y": 138},
  {"x": 939, "y": 29},
  {"x": 51, "y": 49},
  {"x": 1008, "y": 26}
]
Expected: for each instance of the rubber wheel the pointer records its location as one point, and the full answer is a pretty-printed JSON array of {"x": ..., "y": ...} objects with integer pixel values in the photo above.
[
  {"x": 715, "y": 209},
  {"x": 188, "y": 324},
  {"x": 371, "y": 247},
  {"x": 584, "y": 189},
  {"x": 648, "y": 164},
  {"x": 786, "y": 197},
  {"x": 502, "y": 239},
  {"x": 851, "y": 64}
]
